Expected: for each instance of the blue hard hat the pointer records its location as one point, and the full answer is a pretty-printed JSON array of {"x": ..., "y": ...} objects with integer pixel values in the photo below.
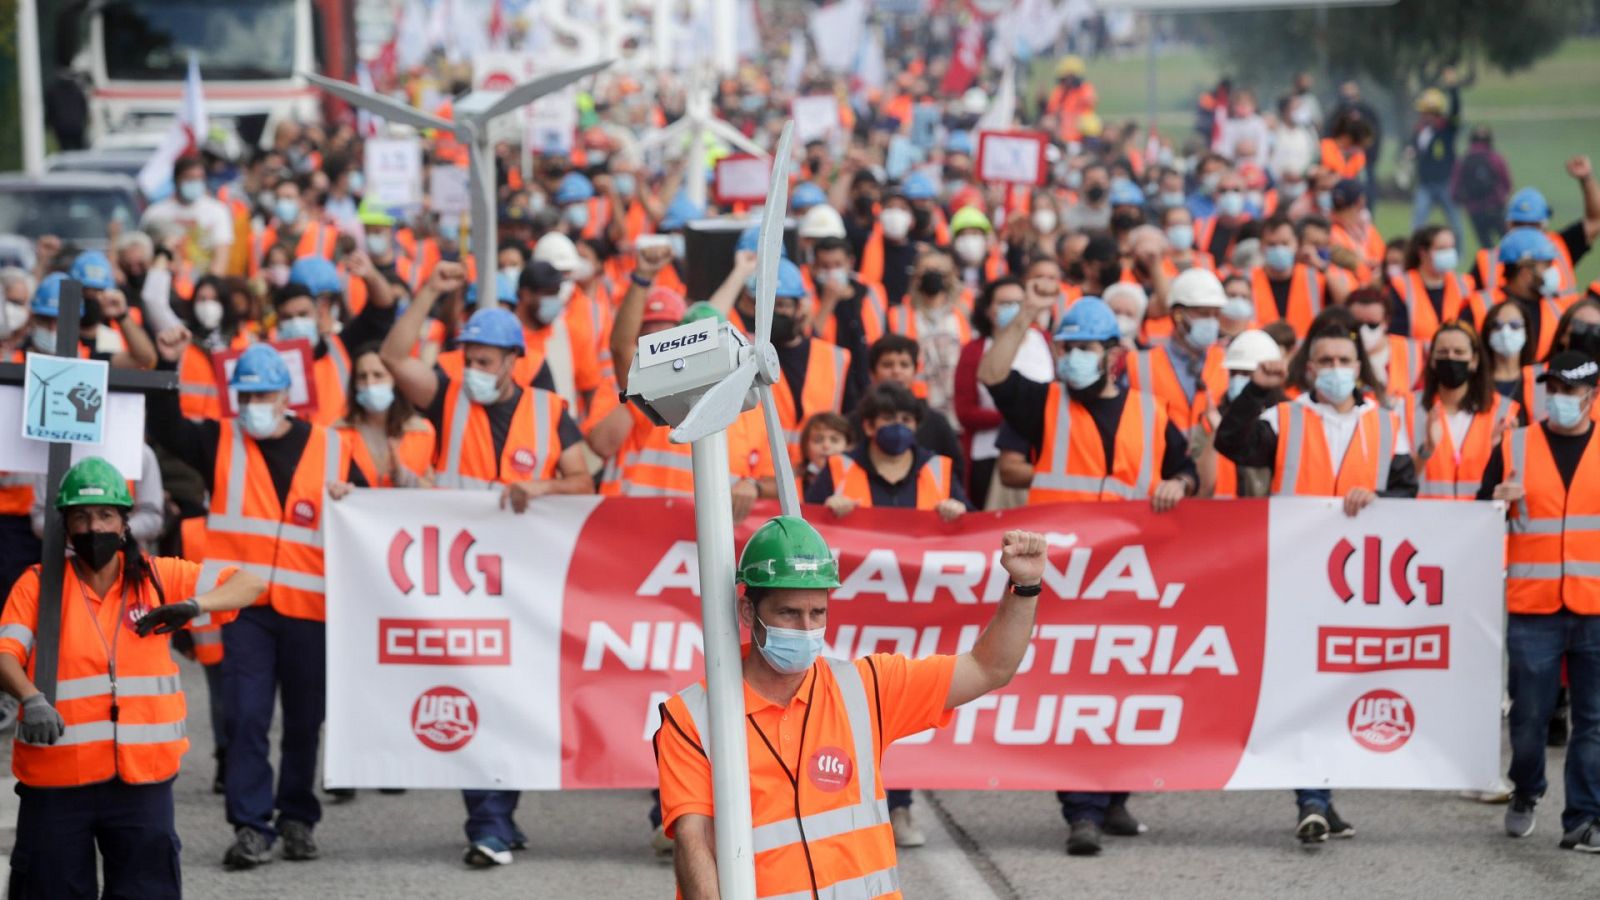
[
  {"x": 494, "y": 327},
  {"x": 1526, "y": 245},
  {"x": 1090, "y": 319},
  {"x": 806, "y": 195},
  {"x": 1527, "y": 207},
  {"x": 47, "y": 297},
  {"x": 1126, "y": 193},
  {"x": 93, "y": 270},
  {"x": 917, "y": 186},
  {"x": 959, "y": 142},
  {"x": 505, "y": 290},
  {"x": 790, "y": 284},
  {"x": 749, "y": 239},
  {"x": 680, "y": 212},
  {"x": 574, "y": 188},
  {"x": 317, "y": 274},
  {"x": 260, "y": 369}
]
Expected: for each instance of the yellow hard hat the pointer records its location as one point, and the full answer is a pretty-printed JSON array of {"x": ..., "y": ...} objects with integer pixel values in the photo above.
[
  {"x": 1069, "y": 65},
  {"x": 1431, "y": 100},
  {"x": 1090, "y": 125}
]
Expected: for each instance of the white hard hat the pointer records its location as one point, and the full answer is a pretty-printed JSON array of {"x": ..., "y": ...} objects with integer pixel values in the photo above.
[
  {"x": 822, "y": 221},
  {"x": 558, "y": 250},
  {"x": 1198, "y": 287},
  {"x": 1249, "y": 349},
  {"x": 974, "y": 101}
]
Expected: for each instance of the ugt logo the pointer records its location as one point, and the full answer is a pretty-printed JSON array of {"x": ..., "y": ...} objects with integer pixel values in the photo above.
[
  {"x": 1431, "y": 577},
  {"x": 487, "y": 564}
]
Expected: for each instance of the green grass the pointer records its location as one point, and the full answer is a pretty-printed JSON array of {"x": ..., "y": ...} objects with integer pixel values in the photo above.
[{"x": 1541, "y": 116}]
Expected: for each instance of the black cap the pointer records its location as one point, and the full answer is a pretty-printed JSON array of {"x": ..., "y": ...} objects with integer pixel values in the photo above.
[
  {"x": 1572, "y": 368},
  {"x": 1347, "y": 193},
  {"x": 540, "y": 277}
]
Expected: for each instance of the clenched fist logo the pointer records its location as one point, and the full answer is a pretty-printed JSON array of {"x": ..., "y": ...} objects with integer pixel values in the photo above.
[{"x": 86, "y": 400}]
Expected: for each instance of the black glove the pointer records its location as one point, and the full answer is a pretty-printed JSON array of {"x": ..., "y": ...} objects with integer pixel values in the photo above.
[
  {"x": 40, "y": 723},
  {"x": 167, "y": 618}
]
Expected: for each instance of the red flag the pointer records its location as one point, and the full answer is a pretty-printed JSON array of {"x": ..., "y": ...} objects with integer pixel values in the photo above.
[
  {"x": 966, "y": 62},
  {"x": 497, "y": 25}
]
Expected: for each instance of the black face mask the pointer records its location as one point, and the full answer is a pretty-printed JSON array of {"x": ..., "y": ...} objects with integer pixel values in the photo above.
[
  {"x": 1075, "y": 273},
  {"x": 1110, "y": 273},
  {"x": 1451, "y": 373},
  {"x": 783, "y": 328},
  {"x": 1094, "y": 193},
  {"x": 91, "y": 314},
  {"x": 863, "y": 205},
  {"x": 920, "y": 219},
  {"x": 930, "y": 283},
  {"x": 1584, "y": 338},
  {"x": 1126, "y": 221},
  {"x": 96, "y": 548}
]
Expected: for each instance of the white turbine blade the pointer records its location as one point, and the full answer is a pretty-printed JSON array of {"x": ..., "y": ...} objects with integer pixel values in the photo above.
[
  {"x": 778, "y": 445},
  {"x": 718, "y": 407},
  {"x": 771, "y": 245},
  {"x": 379, "y": 105},
  {"x": 734, "y": 136},
  {"x": 529, "y": 91}
]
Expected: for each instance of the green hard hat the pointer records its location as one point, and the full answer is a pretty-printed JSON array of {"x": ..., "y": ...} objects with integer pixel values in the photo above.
[
  {"x": 787, "y": 552},
  {"x": 93, "y": 482},
  {"x": 970, "y": 217},
  {"x": 700, "y": 309}
]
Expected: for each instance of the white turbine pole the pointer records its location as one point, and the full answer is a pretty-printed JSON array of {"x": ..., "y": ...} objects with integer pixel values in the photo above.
[
  {"x": 725, "y": 36},
  {"x": 30, "y": 87}
]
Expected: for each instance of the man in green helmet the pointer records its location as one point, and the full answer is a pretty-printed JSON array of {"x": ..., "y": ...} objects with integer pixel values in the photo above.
[{"x": 817, "y": 727}]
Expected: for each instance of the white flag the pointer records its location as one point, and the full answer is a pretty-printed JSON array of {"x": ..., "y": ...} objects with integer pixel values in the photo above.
[
  {"x": 870, "y": 67},
  {"x": 797, "y": 60},
  {"x": 188, "y": 130},
  {"x": 838, "y": 30},
  {"x": 1003, "y": 106}
]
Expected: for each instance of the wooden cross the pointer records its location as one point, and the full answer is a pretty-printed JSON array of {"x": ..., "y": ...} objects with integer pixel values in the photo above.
[{"x": 47, "y": 636}]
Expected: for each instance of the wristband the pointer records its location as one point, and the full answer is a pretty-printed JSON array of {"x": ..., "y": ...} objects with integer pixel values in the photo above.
[
  {"x": 1027, "y": 590},
  {"x": 641, "y": 282}
]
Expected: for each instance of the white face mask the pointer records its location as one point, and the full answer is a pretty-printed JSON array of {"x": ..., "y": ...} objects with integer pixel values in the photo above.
[
  {"x": 896, "y": 223},
  {"x": 583, "y": 271},
  {"x": 1127, "y": 326},
  {"x": 483, "y": 387},
  {"x": 43, "y": 339},
  {"x": 1374, "y": 337},
  {"x": 971, "y": 247},
  {"x": 378, "y": 243},
  {"x": 259, "y": 420},
  {"x": 208, "y": 313},
  {"x": 1045, "y": 220},
  {"x": 12, "y": 317}
]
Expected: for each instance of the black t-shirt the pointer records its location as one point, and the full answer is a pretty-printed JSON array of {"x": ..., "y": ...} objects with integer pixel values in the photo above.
[
  {"x": 1221, "y": 239},
  {"x": 1280, "y": 293},
  {"x": 1021, "y": 403},
  {"x": 500, "y": 415},
  {"x": 1566, "y": 449},
  {"x": 1577, "y": 241},
  {"x": 897, "y": 262}
]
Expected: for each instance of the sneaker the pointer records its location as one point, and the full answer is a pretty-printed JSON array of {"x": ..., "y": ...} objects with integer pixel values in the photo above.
[
  {"x": 1121, "y": 823},
  {"x": 392, "y": 792},
  {"x": 341, "y": 795},
  {"x": 1337, "y": 826},
  {"x": 250, "y": 849},
  {"x": 660, "y": 843},
  {"x": 1519, "y": 818},
  {"x": 1500, "y": 793},
  {"x": 1584, "y": 838},
  {"x": 219, "y": 783},
  {"x": 486, "y": 852},
  {"x": 519, "y": 841},
  {"x": 906, "y": 832},
  {"x": 298, "y": 845},
  {"x": 1084, "y": 839},
  {"x": 1313, "y": 827}
]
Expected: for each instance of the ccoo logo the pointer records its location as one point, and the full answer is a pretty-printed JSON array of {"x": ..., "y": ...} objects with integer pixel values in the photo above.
[
  {"x": 1382, "y": 721},
  {"x": 487, "y": 564},
  {"x": 1431, "y": 577},
  {"x": 444, "y": 719}
]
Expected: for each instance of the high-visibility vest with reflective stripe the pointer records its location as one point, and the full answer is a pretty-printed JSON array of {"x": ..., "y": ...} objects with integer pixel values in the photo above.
[
  {"x": 1205, "y": 231},
  {"x": 316, "y": 239},
  {"x": 197, "y": 385},
  {"x": 1491, "y": 274},
  {"x": 1304, "y": 465},
  {"x": 207, "y": 637},
  {"x": 1370, "y": 248},
  {"x": 1306, "y": 298},
  {"x": 1553, "y": 551},
  {"x": 842, "y": 839},
  {"x": 280, "y": 542},
  {"x": 827, "y": 370},
  {"x": 649, "y": 464},
  {"x": 1153, "y": 373},
  {"x": 1347, "y": 165},
  {"x": 130, "y": 727},
  {"x": 1072, "y": 461},
  {"x": 850, "y": 480},
  {"x": 330, "y": 377},
  {"x": 903, "y": 320},
  {"x": 16, "y": 494},
  {"x": 1405, "y": 365},
  {"x": 1458, "y": 298},
  {"x": 1443, "y": 477},
  {"x": 874, "y": 311},
  {"x": 414, "y": 450},
  {"x": 466, "y": 457}
]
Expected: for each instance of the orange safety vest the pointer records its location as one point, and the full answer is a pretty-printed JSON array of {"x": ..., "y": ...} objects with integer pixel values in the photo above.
[
  {"x": 1153, "y": 372},
  {"x": 903, "y": 321},
  {"x": 1306, "y": 298},
  {"x": 1553, "y": 551},
  {"x": 1072, "y": 462},
  {"x": 207, "y": 637},
  {"x": 1305, "y": 465},
  {"x": 850, "y": 480},
  {"x": 330, "y": 378},
  {"x": 197, "y": 385},
  {"x": 465, "y": 455},
  {"x": 1405, "y": 365},
  {"x": 251, "y": 530},
  {"x": 1226, "y": 484},
  {"x": 1068, "y": 105},
  {"x": 125, "y": 723},
  {"x": 1370, "y": 249},
  {"x": 651, "y": 465},
  {"x": 1444, "y": 477},
  {"x": 874, "y": 310},
  {"x": 316, "y": 239},
  {"x": 1492, "y": 275},
  {"x": 16, "y": 494},
  {"x": 871, "y": 266},
  {"x": 839, "y": 842},
  {"x": 827, "y": 370},
  {"x": 1205, "y": 229},
  {"x": 415, "y": 451},
  {"x": 1458, "y": 294},
  {"x": 1347, "y": 166}
]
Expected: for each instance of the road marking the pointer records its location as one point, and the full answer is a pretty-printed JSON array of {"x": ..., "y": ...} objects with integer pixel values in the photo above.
[{"x": 945, "y": 857}]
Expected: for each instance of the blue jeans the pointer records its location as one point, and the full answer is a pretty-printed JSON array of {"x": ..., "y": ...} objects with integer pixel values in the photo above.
[
  {"x": 219, "y": 707},
  {"x": 266, "y": 654},
  {"x": 1536, "y": 645},
  {"x": 1317, "y": 798},
  {"x": 898, "y": 798},
  {"x": 1077, "y": 806},
  {"x": 1426, "y": 197},
  {"x": 59, "y": 828},
  {"x": 489, "y": 815}
]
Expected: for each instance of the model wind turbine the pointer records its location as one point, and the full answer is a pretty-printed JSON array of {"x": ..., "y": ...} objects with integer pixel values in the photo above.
[
  {"x": 692, "y": 127},
  {"x": 471, "y": 127},
  {"x": 698, "y": 378}
]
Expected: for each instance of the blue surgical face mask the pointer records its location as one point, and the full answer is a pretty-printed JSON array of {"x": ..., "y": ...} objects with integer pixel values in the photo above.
[
  {"x": 1335, "y": 385},
  {"x": 298, "y": 327},
  {"x": 1446, "y": 260},
  {"x": 1566, "y": 411},
  {"x": 1006, "y": 313},
  {"x": 1325, "y": 201},
  {"x": 259, "y": 420},
  {"x": 190, "y": 190},
  {"x": 791, "y": 650},
  {"x": 483, "y": 387},
  {"x": 1181, "y": 236},
  {"x": 1239, "y": 309},
  {"x": 895, "y": 439},
  {"x": 43, "y": 339},
  {"x": 1172, "y": 198},
  {"x": 1203, "y": 332},
  {"x": 286, "y": 209},
  {"x": 376, "y": 397},
  {"x": 1230, "y": 203},
  {"x": 625, "y": 185},
  {"x": 1279, "y": 258},
  {"x": 1078, "y": 368},
  {"x": 1550, "y": 284},
  {"x": 576, "y": 215},
  {"x": 358, "y": 182},
  {"x": 550, "y": 308},
  {"x": 1508, "y": 342},
  {"x": 1236, "y": 385}
]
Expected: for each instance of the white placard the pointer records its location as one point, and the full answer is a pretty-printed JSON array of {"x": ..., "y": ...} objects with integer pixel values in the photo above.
[
  {"x": 124, "y": 430},
  {"x": 449, "y": 190},
  {"x": 743, "y": 178},
  {"x": 816, "y": 118},
  {"x": 394, "y": 172},
  {"x": 1010, "y": 158}
]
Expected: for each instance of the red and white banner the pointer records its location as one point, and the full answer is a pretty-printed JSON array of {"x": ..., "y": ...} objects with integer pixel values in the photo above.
[{"x": 1236, "y": 644}]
